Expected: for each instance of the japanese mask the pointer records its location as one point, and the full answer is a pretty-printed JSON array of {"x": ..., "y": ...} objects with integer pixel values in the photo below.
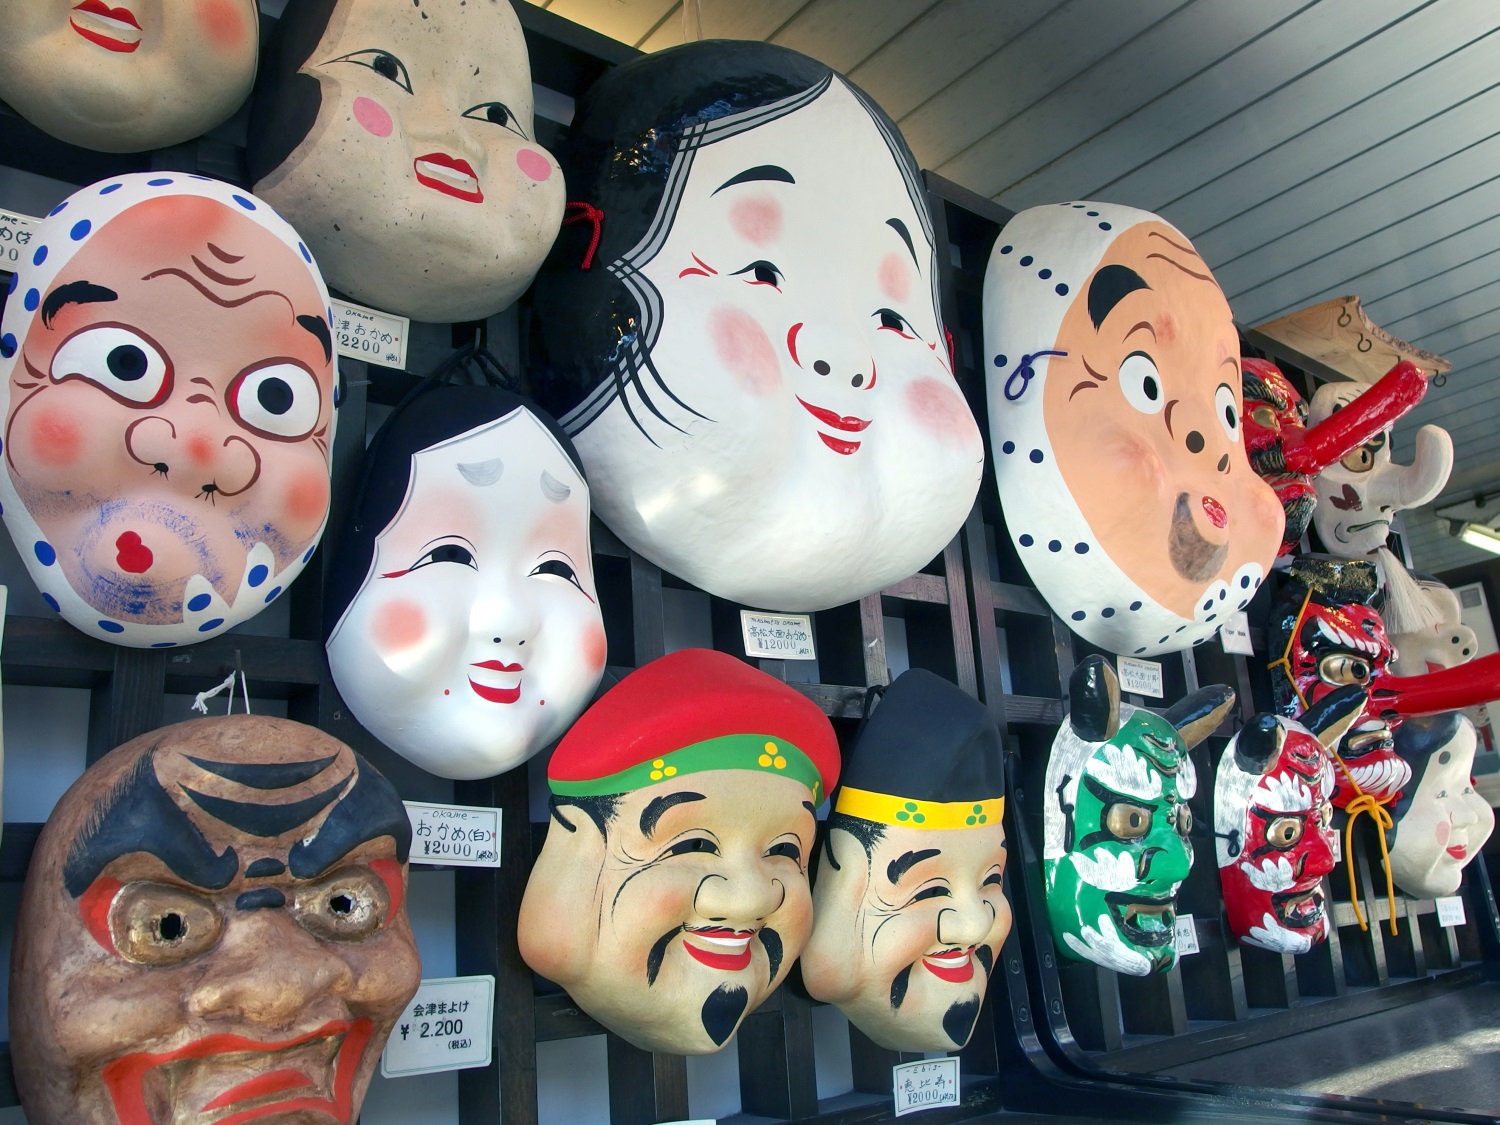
[
  {"x": 1117, "y": 820},
  {"x": 671, "y": 896},
  {"x": 909, "y": 911},
  {"x": 1441, "y": 822},
  {"x": 1287, "y": 453},
  {"x": 213, "y": 929},
  {"x": 398, "y": 138},
  {"x": 1425, "y": 621},
  {"x": 754, "y": 369},
  {"x": 1359, "y": 496},
  {"x": 1273, "y": 823},
  {"x": 466, "y": 632},
  {"x": 167, "y": 377},
  {"x": 127, "y": 75},
  {"x": 1114, "y": 392}
]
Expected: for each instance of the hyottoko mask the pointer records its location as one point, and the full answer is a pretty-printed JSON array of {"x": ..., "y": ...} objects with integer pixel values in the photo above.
[
  {"x": 1117, "y": 820},
  {"x": 466, "y": 631},
  {"x": 399, "y": 140},
  {"x": 755, "y": 370},
  {"x": 127, "y": 75},
  {"x": 1441, "y": 823},
  {"x": 1273, "y": 829},
  {"x": 213, "y": 929},
  {"x": 909, "y": 908},
  {"x": 1114, "y": 396},
  {"x": 1358, "y": 496},
  {"x": 671, "y": 896},
  {"x": 168, "y": 387}
]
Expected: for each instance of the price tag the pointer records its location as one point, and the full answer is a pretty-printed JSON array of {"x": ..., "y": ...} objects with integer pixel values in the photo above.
[
  {"x": 925, "y": 1085},
  {"x": 1338, "y": 847},
  {"x": 1185, "y": 935},
  {"x": 15, "y": 235},
  {"x": 1234, "y": 634},
  {"x": 1141, "y": 677},
  {"x": 778, "y": 636},
  {"x": 445, "y": 1027},
  {"x": 370, "y": 335},
  {"x": 455, "y": 835},
  {"x": 1450, "y": 911}
]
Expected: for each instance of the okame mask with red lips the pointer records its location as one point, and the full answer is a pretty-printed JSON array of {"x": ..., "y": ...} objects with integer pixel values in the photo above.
[
  {"x": 671, "y": 896},
  {"x": 399, "y": 140},
  {"x": 168, "y": 388},
  {"x": 1441, "y": 822},
  {"x": 466, "y": 632},
  {"x": 127, "y": 75},
  {"x": 213, "y": 929},
  {"x": 1114, "y": 395},
  {"x": 754, "y": 368}
]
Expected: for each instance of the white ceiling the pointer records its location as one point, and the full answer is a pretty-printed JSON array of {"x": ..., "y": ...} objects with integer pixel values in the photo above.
[{"x": 1310, "y": 148}]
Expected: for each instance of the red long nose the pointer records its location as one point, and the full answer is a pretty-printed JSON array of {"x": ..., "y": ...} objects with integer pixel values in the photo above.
[
  {"x": 1315, "y": 448},
  {"x": 1449, "y": 689}
]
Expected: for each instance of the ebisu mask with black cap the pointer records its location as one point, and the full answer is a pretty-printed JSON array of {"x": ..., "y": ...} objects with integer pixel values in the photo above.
[
  {"x": 1116, "y": 845},
  {"x": 1115, "y": 399},
  {"x": 671, "y": 896},
  {"x": 909, "y": 909},
  {"x": 213, "y": 928},
  {"x": 754, "y": 367},
  {"x": 167, "y": 385}
]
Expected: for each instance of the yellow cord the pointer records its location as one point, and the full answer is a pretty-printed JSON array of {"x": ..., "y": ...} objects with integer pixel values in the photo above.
[{"x": 1366, "y": 803}]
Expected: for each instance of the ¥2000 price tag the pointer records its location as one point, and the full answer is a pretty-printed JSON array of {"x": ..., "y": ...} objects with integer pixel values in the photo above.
[
  {"x": 370, "y": 335},
  {"x": 445, "y": 1027},
  {"x": 1450, "y": 911},
  {"x": 15, "y": 238},
  {"x": 925, "y": 1085},
  {"x": 454, "y": 835}
]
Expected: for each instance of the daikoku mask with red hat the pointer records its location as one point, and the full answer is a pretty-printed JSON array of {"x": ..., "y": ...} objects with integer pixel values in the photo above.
[
  {"x": 213, "y": 929},
  {"x": 671, "y": 897},
  {"x": 168, "y": 388}
]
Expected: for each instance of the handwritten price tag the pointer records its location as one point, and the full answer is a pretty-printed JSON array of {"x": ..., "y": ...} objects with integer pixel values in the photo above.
[
  {"x": 15, "y": 236},
  {"x": 1141, "y": 677},
  {"x": 778, "y": 636},
  {"x": 454, "y": 835},
  {"x": 1184, "y": 935},
  {"x": 925, "y": 1085},
  {"x": 1234, "y": 634},
  {"x": 446, "y": 1027},
  {"x": 1450, "y": 911},
  {"x": 370, "y": 335}
]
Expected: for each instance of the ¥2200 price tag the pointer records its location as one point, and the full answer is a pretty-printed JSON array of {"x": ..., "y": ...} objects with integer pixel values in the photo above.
[
  {"x": 15, "y": 238},
  {"x": 454, "y": 835},
  {"x": 445, "y": 1027},
  {"x": 369, "y": 334}
]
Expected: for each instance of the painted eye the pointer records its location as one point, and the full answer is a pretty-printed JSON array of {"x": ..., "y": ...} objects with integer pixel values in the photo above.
[
  {"x": 693, "y": 845},
  {"x": 154, "y": 924},
  {"x": 926, "y": 893},
  {"x": 557, "y": 568},
  {"x": 1227, "y": 410},
  {"x": 383, "y": 63},
  {"x": 892, "y": 321},
  {"x": 349, "y": 905},
  {"x": 279, "y": 401},
  {"x": 1284, "y": 831},
  {"x": 761, "y": 273},
  {"x": 993, "y": 880},
  {"x": 788, "y": 849},
  {"x": 1184, "y": 821},
  {"x": 1140, "y": 383},
  {"x": 1362, "y": 460},
  {"x": 496, "y": 113},
  {"x": 1325, "y": 815},
  {"x": 446, "y": 553},
  {"x": 1266, "y": 418},
  {"x": 117, "y": 360},
  {"x": 1126, "y": 821},
  {"x": 1342, "y": 668}
]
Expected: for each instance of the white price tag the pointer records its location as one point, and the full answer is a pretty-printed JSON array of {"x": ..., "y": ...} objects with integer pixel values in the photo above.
[
  {"x": 370, "y": 335},
  {"x": 446, "y": 1026},
  {"x": 15, "y": 236},
  {"x": 1450, "y": 911},
  {"x": 1234, "y": 634},
  {"x": 1141, "y": 677},
  {"x": 778, "y": 636},
  {"x": 1185, "y": 935},
  {"x": 925, "y": 1085},
  {"x": 455, "y": 835}
]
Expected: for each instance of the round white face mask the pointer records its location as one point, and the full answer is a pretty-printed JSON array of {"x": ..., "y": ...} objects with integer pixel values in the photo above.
[
  {"x": 807, "y": 444},
  {"x": 476, "y": 638},
  {"x": 1447, "y": 822}
]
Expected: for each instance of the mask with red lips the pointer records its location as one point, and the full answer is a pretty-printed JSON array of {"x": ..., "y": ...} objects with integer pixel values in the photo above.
[
  {"x": 1441, "y": 822},
  {"x": 213, "y": 928}
]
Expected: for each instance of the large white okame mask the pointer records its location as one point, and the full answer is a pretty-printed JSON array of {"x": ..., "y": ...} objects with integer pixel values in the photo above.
[
  {"x": 1114, "y": 399},
  {"x": 467, "y": 633},
  {"x": 754, "y": 369}
]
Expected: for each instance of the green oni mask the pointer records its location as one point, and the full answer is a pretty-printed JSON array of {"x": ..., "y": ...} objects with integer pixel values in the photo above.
[{"x": 1117, "y": 820}]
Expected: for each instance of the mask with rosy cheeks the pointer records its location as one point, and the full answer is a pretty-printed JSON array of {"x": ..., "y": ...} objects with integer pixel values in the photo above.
[
  {"x": 213, "y": 928},
  {"x": 127, "y": 75},
  {"x": 167, "y": 380},
  {"x": 1114, "y": 394},
  {"x": 1441, "y": 821},
  {"x": 474, "y": 637},
  {"x": 777, "y": 421},
  {"x": 1273, "y": 823},
  {"x": 399, "y": 141},
  {"x": 671, "y": 896}
]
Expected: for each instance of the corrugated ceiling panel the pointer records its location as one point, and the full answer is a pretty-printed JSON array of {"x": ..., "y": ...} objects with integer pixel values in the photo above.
[
  {"x": 1428, "y": 263},
  {"x": 626, "y": 20},
  {"x": 1395, "y": 308},
  {"x": 844, "y": 33}
]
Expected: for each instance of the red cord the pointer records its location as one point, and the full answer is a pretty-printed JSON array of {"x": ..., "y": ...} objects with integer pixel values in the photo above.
[
  {"x": 587, "y": 213},
  {"x": 952, "y": 356}
]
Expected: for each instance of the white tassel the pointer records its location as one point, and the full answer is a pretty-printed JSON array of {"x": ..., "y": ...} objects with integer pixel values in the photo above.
[{"x": 200, "y": 703}]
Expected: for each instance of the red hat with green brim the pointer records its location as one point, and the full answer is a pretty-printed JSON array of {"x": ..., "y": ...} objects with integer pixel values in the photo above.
[{"x": 692, "y": 711}]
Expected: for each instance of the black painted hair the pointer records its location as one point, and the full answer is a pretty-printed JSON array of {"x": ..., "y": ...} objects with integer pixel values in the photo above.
[
  {"x": 1418, "y": 740},
  {"x": 286, "y": 103},
  {"x": 631, "y": 146}
]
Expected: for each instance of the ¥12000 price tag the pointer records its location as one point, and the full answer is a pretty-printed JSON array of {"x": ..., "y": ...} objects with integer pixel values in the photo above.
[
  {"x": 455, "y": 835},
  {"x": 15, "y": 237},
  {"x": 1141, "y": 677},
  {"x": 778, "y": 636},
  {"x": 925, "y": 1085},
  {"x": 445, "y": 1027},
  {"x": 370, "y": 335}
]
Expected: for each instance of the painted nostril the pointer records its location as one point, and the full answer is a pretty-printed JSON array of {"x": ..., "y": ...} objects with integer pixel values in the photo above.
[
  {"x": 821, "y": 367},
  {"x": 857, "y": 381},
  {"x": 1194, "y": 442},
  {"x": 1224, "y": 463}
]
